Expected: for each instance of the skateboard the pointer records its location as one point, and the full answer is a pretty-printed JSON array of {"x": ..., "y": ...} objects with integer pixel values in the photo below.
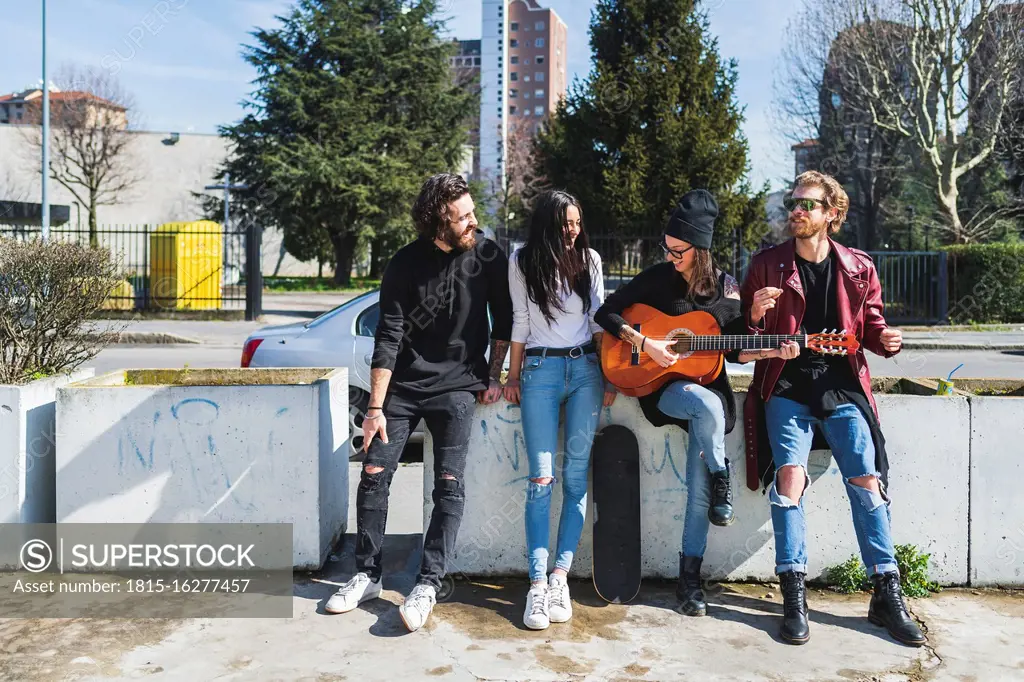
[{"x": 616, "y": 569}]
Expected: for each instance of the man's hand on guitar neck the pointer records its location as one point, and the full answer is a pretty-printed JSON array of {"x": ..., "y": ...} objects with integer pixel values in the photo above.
[{"x": 788, "y": 351}]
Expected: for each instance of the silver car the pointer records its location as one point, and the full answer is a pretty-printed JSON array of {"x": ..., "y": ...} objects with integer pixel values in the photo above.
[{"x": 340, "y": 337}]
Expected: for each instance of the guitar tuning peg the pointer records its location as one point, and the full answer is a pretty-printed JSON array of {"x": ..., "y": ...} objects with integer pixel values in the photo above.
[
  {"x": 833, "y": 331},
  {"x": 825, "y": 330}
]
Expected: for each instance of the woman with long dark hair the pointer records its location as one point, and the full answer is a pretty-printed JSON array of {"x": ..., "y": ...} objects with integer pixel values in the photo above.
[
  {"x": 556, "y": 285},
  {"x": 689, "y": 281}
]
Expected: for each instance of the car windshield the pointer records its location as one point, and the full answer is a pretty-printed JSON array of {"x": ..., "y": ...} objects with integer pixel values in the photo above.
[{"x": 344, "y": 306}]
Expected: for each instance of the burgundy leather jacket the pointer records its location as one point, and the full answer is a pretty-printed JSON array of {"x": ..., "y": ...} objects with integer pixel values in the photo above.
[{"x": 859, "y": 295}]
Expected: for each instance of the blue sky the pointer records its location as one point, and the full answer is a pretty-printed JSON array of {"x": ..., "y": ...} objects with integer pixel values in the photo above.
[{"x": 181, "y": 58}]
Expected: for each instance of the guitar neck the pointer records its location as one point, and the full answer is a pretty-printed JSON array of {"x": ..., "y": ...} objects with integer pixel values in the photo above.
[{"x": 730, "y": 342}]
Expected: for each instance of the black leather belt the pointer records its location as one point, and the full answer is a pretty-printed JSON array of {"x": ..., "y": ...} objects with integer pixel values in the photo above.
[{"x": 577, "y": 352}]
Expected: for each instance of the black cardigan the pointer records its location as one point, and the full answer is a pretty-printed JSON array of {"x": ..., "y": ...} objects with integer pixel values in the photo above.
[{"x": 662, "y": 287}]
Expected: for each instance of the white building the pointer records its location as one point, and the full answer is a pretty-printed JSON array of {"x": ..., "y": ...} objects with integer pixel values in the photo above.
[
  {"x": 493, "y": 82},
  {"x": 170, "y": 168},
  {"x": 523, "y": 76}
]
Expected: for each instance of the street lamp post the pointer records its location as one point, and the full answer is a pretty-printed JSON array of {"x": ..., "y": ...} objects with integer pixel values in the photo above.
[
  {"x": 46, "y": 140},
  {"x": 253, "y": 283},
  {"x": 227, "y": 187}
]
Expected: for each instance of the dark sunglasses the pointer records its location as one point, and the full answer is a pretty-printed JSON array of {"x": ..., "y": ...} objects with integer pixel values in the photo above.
[
  {"x": 806, "y": 204},
  {"x": 675, "y": 253}
]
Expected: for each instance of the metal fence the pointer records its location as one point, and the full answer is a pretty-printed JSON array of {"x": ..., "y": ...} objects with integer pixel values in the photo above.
[
  {"x": 167, "y": 268},
  {"x": 625, "y": 255},
  {"x": 914, "y": 283},
  {"x": 914, "y": 286}
]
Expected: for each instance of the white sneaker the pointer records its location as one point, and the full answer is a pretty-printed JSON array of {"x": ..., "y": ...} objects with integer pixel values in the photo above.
[
  {"x": 353, "y": 593},
  {"x": 417, "y": 607},
  {"x": 559, "y": 604},
  {"x": 536, "y": 615}
]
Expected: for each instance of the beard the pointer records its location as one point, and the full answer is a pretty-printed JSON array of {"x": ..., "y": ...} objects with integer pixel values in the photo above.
[
  {"x": 457, "y": 242},
  {"x": 803, "y": 228}
]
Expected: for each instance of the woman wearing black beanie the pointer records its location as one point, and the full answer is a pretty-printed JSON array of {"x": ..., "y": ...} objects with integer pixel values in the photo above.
[{"x": 688, "y": 281}]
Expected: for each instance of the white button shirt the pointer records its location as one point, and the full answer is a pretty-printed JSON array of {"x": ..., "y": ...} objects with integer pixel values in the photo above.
[{"x": 568, "y": 330}]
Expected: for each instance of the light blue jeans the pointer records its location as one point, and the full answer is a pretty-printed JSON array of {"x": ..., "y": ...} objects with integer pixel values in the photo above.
[
  {"x": 705, "y": 454},
  {"x": 790, "y": 430},
  {"x": 548, "y": 383}
]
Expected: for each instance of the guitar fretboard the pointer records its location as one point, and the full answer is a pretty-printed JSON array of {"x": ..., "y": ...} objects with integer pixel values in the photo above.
[{"x": 729, "y": 342}]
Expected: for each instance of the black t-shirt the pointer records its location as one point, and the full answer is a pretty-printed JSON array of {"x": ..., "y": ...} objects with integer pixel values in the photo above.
[
  {"x": 433, "y": 330},
  {"x": 822, "y": 382}
]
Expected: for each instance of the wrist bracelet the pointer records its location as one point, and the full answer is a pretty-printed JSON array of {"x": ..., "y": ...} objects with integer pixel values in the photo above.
[
  {"x": 374, "y": 408},
  {"x": 642, "y": 344}
]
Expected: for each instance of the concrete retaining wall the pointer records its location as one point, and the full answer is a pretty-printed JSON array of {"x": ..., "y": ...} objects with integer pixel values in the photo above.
[
  {"x": 227, "y": 446},
  {"x": 927, "y": 443},
  {"x": 27, "y": 438},
  {"x": 997, "y": 470}
]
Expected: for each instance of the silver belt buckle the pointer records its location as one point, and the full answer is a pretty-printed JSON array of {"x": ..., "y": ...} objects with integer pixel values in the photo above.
[{"x": 577, "y": 348}]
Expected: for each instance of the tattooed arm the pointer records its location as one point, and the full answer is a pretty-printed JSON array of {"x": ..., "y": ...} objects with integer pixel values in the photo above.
[
  {"x": 499, "y": 349},
  {"x": 499, "y": 302}
]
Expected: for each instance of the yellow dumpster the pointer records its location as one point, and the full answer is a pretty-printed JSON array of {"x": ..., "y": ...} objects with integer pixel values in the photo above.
[
  {"x": 122, "y": 297},
  {"x": 186, "y": 266}
]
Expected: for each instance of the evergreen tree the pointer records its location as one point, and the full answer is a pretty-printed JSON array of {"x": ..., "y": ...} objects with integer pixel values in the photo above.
[
  {"x": 354, "y": 106},
  {"x": 656, "y": 117}
]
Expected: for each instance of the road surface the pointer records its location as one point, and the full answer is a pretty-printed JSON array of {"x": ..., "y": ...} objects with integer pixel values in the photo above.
[{"x": 910, "y": 363}]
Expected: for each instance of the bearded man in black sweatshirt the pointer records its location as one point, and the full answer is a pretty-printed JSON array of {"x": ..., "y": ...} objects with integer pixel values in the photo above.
[{"x": 429, "y": 363}]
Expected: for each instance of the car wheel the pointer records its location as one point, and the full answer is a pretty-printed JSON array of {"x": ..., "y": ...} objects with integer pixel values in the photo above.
[{"x": 358, "y": 401}]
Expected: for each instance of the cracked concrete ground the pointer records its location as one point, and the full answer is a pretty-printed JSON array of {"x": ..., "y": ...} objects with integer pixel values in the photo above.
[{"x": 477, "y": 634}]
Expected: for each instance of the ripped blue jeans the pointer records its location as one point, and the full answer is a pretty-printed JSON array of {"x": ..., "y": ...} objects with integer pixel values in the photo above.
[
  {"x": 791, "y": 432},
  {"x": 548, "y": 383}
]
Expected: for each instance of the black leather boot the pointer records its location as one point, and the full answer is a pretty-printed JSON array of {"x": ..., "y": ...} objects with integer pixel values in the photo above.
[
  {"x": 689, "y": 591},
  {"x": 794, "y": 608},
  {"x": 890, "y": 611},
  {"x": 720, "y": 510}
]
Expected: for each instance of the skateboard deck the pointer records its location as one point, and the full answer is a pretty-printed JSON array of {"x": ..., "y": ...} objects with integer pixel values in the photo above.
[{"x": 616, "y": 480}]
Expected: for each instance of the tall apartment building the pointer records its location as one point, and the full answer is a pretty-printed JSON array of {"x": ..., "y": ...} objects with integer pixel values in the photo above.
[{"x": 523, "y": 74}]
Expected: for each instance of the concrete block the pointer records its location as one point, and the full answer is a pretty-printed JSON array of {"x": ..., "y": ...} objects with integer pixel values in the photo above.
[
  {"x": 208, "y": 446},
  {"x": 927, "y": 486},
  {"x": 997, "y": 517},
  {"x": 27, "y": 445}
]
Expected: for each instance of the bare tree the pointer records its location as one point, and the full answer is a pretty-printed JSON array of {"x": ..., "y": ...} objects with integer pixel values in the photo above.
[
  {"x": 90, "y": 141},
  {"x": 522, "y": 178},
  {"x": 959, "y": 66},
  {"x": 811, "y": 101}
]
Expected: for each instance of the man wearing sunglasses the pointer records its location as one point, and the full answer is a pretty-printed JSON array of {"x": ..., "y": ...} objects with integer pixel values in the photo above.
[{"x": 805, "y": 285}]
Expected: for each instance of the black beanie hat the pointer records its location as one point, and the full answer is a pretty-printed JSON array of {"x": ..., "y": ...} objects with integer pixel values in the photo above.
[{"x": 693, "y": 218}]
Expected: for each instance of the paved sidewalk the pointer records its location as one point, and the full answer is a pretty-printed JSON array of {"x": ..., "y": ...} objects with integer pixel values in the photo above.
[
  {"x": 290, "y": 308},
  {"x": 477, "y": 634},
  {"x": 278, "y": 309},
  {"x": 940, "y": 339}
]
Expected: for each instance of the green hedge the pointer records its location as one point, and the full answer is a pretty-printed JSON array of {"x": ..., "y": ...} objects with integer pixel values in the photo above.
[{"x": 986, "y": 283}]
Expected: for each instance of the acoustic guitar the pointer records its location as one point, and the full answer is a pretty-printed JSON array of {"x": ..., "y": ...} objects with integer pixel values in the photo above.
[{"x": 701, "y": 347}]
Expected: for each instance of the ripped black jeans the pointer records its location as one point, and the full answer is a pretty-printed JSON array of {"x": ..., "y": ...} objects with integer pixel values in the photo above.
[{"x": 449, "y": 417}]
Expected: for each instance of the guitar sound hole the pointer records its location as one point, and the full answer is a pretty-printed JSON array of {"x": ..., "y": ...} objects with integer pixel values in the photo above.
[{"x": 683, "y": 344}]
